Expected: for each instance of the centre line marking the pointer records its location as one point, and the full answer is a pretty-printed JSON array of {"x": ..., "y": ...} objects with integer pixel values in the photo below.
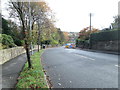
[
  {"x": 117, "y": 66},
  {"x": 85, "y": 57}
]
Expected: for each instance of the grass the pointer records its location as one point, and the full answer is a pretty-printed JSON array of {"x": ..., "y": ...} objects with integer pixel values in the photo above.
[{"x": 34, "y": 77}]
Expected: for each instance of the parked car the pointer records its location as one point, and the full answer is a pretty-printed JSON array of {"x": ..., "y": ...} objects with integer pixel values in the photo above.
[
  {"x": 70, "y": 45},
  {"x": 67, "y": 45}
]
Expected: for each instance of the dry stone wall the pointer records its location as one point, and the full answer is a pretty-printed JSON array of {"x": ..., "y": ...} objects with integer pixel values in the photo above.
[
  {"x": 107, "y": 45},
  {"x": 8, "y": 54}
]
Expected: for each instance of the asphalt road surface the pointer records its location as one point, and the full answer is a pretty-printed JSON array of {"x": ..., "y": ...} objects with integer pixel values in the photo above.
[{"x": 72, "y": 68}]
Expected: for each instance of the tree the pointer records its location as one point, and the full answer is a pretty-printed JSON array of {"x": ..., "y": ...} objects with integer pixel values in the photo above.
[
  {"x": 35, "y": 14},
  {"x": 5, "y": 27},
  {"x": 41, "y": 17},
  {"x": 116, "y": 23},
  {"x": 85, "y": 33},
  {"x": 11, "y": 28},
  {"x": 20, "y": 10},
  {"x": 30, "y": 13},
  {"x": 62, "y": 37}
]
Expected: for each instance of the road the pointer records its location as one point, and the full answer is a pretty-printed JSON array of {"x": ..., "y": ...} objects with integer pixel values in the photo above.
[{"x": 72, "y": 68}]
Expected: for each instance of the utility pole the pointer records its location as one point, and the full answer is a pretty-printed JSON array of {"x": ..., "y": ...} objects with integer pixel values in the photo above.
[
  {"x": 90, "y": 32},
  {"x": 90, "y": 21},
  {"x": 30, "y": 27}
]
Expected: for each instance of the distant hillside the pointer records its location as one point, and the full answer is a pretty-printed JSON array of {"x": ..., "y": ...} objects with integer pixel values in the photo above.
[{"x": 71, "y": 36}]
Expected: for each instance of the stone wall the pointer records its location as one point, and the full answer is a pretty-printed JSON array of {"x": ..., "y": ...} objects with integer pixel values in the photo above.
[
  {"x": 8, "y": 54},
  {"x": 106, "y": 45}
]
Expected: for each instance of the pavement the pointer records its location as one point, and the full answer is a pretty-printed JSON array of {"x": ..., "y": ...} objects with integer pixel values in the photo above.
[
  {"x": 11, "y": 71},
  {"x": 72, "y": 68}
]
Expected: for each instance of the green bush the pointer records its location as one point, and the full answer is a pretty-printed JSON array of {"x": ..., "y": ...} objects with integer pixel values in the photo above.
[
  {"x": 0, "y": 38},
  {"x": 18, "y": 42},
  {"x": 82, "y": 43},
  {"x": 54, "y": 42},
  {"x": 47, "y": 42},
  {"x": 7, "y": 41}
]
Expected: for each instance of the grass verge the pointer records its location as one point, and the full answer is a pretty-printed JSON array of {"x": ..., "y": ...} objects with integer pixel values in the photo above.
[{"x": 34, "y": 77}]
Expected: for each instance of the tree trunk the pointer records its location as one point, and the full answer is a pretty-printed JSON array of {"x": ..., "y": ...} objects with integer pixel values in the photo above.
[
  {"x": 28, "y": 54},
  {"x": 38, "y": 37},
  {"x": 38, "y": 48},
  {"x": 38, "y": 41}
]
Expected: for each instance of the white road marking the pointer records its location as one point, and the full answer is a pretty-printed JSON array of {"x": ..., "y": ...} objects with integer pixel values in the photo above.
[
  {"x": 85, "y": 57},
  {"x": 117, "y": 66},
  {"x": 59, "y": 84},
  {"x": 70, "y": 81},
  {"x": 13, "y": 63},
  {"x": 10, "y": 77},
  {"x": 59, "y": 79}
]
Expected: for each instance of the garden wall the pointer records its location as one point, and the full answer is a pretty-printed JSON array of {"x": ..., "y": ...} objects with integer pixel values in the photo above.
[
  {"x": 109, "y": 40},
  {"x": 8, "y": 54},
  {"x": 104, "y": 40},
  {"x": 106, "y": 45}
]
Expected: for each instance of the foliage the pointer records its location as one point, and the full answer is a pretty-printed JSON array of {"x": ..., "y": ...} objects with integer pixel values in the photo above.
[
  {"x": 10, "y": 28},
  {"x": 116, "y": 19},
  {"x": 28, "y": 13},
  {"x": 47, "y": 42},
  {"x": 42, "y": 25},
  {"x": 5, "y": 27},
  {"x": 19, "y": 42},
  {"x": 1, "y": 46},
  {"x": 61, "y": 36},
  {"x": 37, "y": 24},
  {"x": 7, "y": 41},
  {"x": 85, "y": 33},
  {"x": 82, "y": 43},
  {"x": 116, "y": 23},
  {"x": 54, "y": 42},
  {"x": 105, "y": 36},
  {"x": 52, "y": 35},
  {"x": 34, "y": 77},
  {"x": 84, "y": 36}
]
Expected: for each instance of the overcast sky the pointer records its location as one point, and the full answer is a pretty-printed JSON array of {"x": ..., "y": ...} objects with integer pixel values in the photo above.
[{"x": 73, "y": 15}]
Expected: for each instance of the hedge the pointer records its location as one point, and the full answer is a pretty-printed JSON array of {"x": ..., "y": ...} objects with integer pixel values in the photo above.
[{"x": 105, "y": 36}]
